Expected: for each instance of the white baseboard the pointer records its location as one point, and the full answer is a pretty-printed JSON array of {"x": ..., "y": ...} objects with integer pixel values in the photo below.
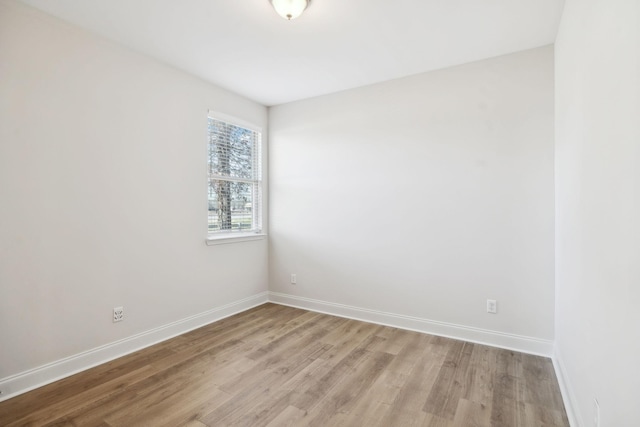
[
  {"x": 42, "y": 375},
  {"x": 568, "y": 397},
  {"x": 46, "y": 374},
  {"x": 537, "y": 346}
]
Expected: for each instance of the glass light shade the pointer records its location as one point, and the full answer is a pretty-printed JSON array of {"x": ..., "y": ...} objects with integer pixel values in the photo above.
[{"x": 290, "y": 9}]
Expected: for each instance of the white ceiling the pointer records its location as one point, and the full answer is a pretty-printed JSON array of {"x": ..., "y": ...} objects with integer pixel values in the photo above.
[{"x": 244, "y": 46}]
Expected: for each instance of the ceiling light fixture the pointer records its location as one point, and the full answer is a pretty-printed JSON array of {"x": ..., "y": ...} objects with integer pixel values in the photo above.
[{"x": 290, "y": 9}]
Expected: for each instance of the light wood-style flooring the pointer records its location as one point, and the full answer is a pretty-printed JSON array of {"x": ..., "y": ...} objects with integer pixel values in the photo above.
[{"x": 281, "y": 366}]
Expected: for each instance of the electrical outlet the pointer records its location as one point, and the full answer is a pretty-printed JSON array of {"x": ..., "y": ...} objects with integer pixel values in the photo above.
[
  {"x": 294, "y": 279},
  {"x": 118, "y": 314},
  {"x": 492, "y": 306},
  {"x": 596, "y": 413}
]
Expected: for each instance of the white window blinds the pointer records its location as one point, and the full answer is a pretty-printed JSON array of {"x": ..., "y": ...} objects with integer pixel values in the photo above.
[{"x": 235, "y": 178}]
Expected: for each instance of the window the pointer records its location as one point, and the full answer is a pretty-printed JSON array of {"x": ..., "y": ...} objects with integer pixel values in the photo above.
[{"x": 235, "y": 178}]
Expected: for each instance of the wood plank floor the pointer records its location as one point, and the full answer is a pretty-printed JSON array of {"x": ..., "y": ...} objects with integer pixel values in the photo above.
[{"x": 280, "y": 366}]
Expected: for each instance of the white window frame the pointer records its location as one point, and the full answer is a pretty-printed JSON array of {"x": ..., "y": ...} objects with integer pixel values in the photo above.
[{"x": 257, "y": 208}]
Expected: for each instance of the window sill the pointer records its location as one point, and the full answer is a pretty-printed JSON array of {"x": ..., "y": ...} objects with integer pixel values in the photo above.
[{"x": 233, "y": 238}]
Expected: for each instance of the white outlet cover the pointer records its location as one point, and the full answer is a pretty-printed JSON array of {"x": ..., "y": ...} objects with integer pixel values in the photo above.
[
  {"x": 118, "y": 314},
  {"x": 492, "y": 306}
]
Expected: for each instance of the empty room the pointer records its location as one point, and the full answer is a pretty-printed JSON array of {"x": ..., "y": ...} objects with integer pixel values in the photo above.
[{"x": 320, "y": 213}]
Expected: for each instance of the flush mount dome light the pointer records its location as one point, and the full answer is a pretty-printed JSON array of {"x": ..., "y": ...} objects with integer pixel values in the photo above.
[{"x": 290, "y": 9}]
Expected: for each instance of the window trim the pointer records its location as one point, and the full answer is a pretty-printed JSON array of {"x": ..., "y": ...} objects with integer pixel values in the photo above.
[
  {"x": 259, "y": 234},
  {"x": 223, "y": 239}
]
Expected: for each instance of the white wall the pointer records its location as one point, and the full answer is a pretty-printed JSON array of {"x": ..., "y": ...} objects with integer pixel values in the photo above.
[
  {"x": 422, "y": 196},
  {"x": 598, "y": 208},
  {"x": 103, "y": 193}
]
